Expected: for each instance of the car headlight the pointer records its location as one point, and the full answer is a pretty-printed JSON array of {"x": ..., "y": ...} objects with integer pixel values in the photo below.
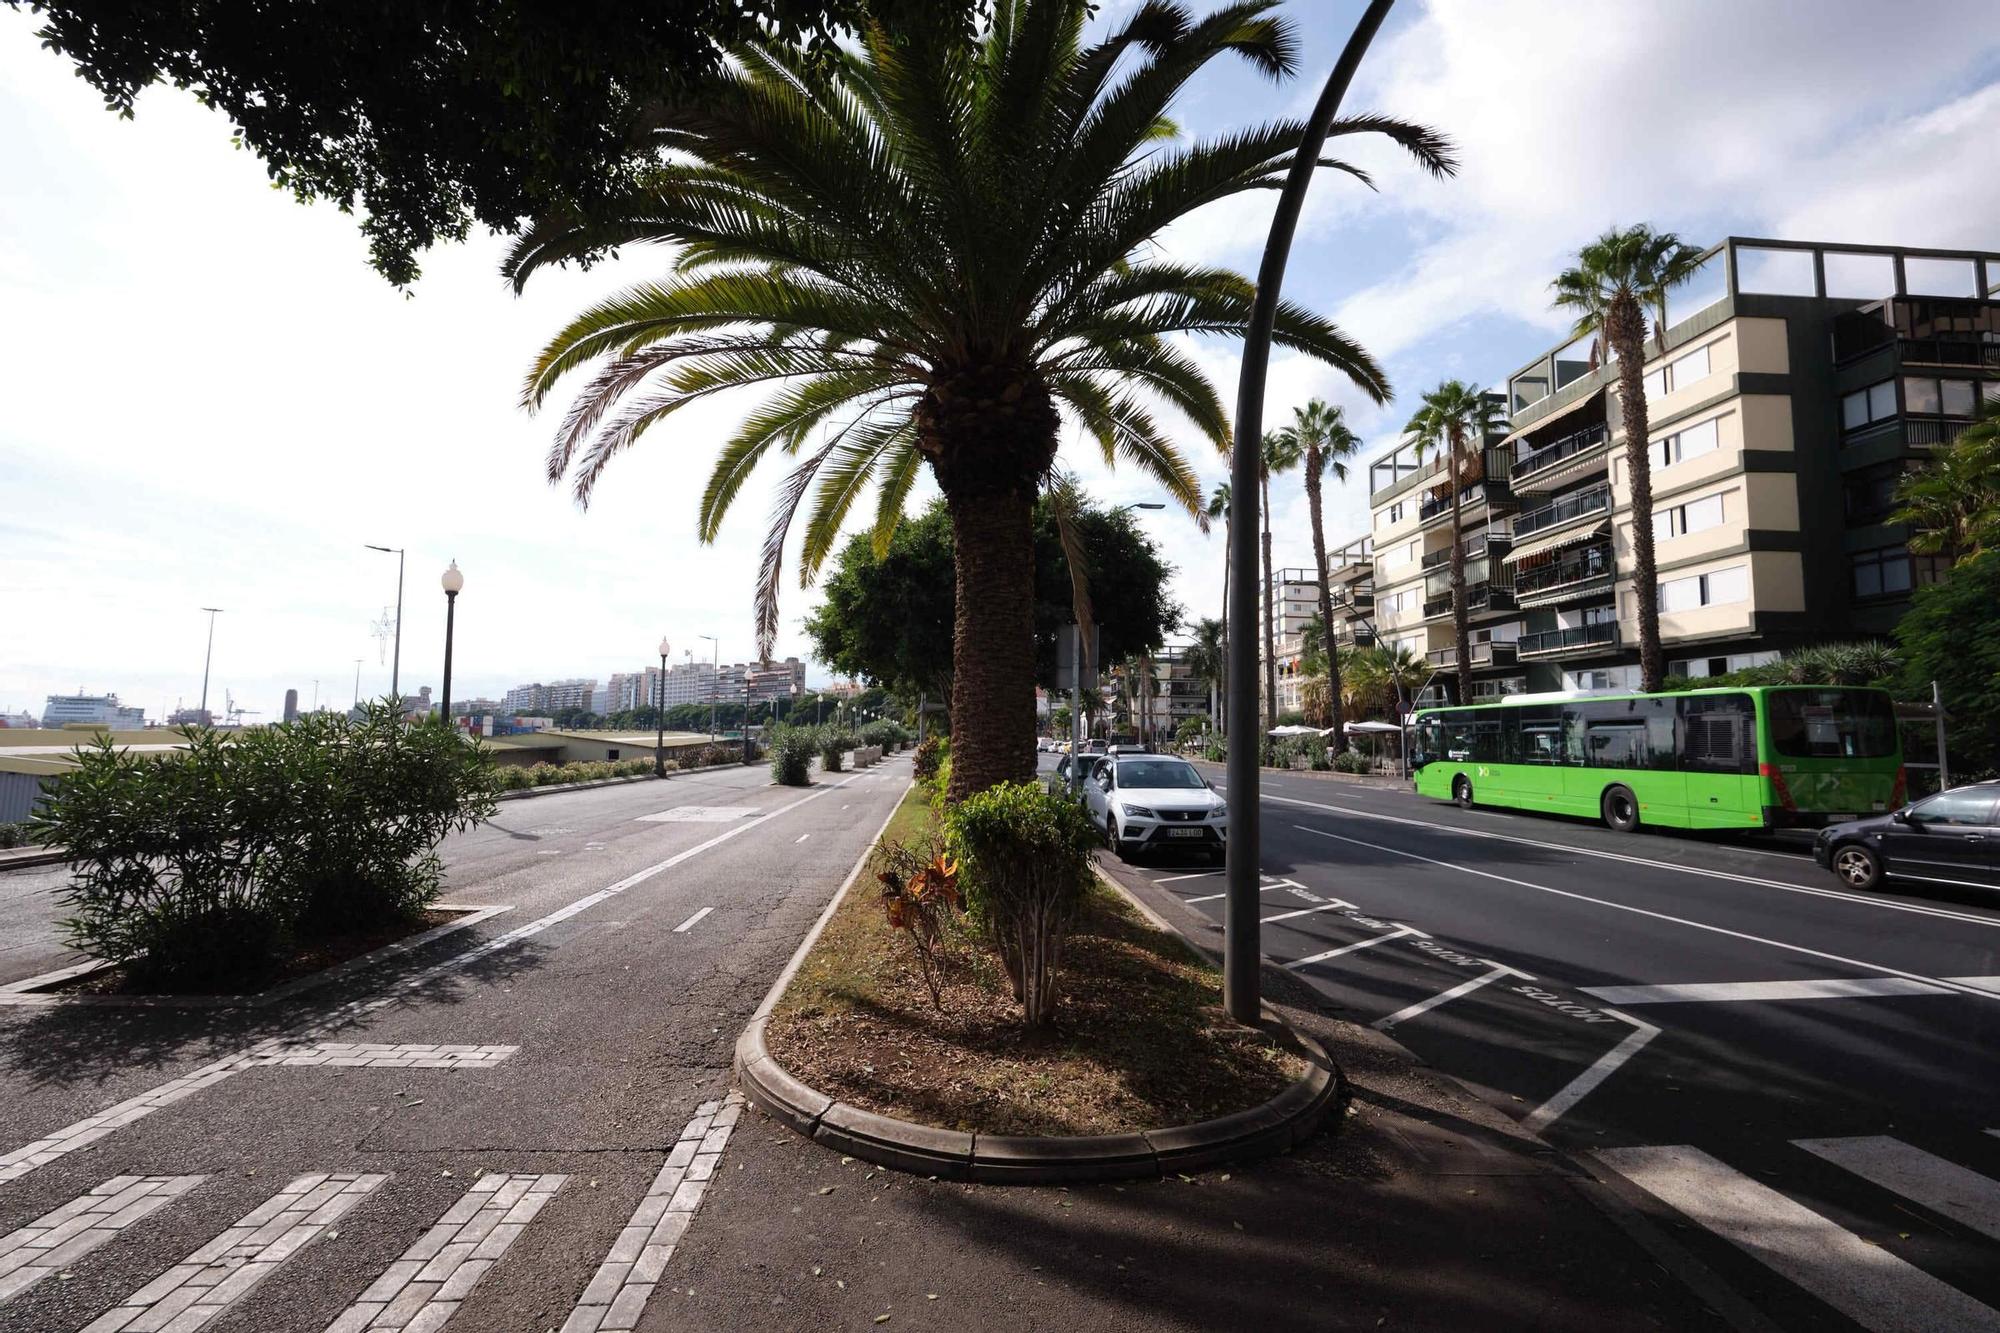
[
  {"x": 1139, "y": 812},
  {"x": 1220, "y": 812}
]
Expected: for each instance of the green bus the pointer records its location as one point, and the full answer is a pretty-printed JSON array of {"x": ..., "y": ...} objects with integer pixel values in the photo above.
[{"x": 1771, "y": 756}]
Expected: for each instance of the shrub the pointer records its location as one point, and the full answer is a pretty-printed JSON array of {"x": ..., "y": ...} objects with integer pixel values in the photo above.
[
  {"x": 919, "y": 890},
  {"x": 1352, "y": 761},
  {"x": 1316, "y": 754},
  {"x": 1267, "y": 752},
  {"x": 927, "y": 758},
  {"x": 1216, "y": 750},
  {"x": 833, "y": 745},
  {"x": 792, "y": 751},
  {"x": 1285, "y": 753},
  {"x": 1024, "y": 859},
  {"x": 13, "y": 835}
]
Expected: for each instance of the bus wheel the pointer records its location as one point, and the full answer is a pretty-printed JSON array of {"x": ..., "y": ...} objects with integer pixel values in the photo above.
[
  {"x": 1621, "y": 809},
  {"x": 1461, "y": 791},
  {"x": 1857, "y": 867}
]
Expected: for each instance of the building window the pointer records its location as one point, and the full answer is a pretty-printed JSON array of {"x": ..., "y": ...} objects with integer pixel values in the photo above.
[
  {"x": 1681, "y": 519},
  {"x": 1717, "y": 588},
  {"x": 1932, "y": 397},
  {"x": 1688, "y": 442},
  {"x": 1865, "y": 407},
  {"x": 1870, "y": 494},
  {"x": 1700, "y": 668},
  {"x": 1602, "y": 680},
  {"x": 1499, "y": 688},
  {"x": 1600, "y": 615},
  {"x": 1891, "y": 571}
]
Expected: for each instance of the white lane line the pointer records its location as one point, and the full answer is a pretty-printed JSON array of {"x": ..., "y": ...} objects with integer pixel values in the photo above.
[
  {"x": 1400, "y": 932},
  {"x": 624, "y": 1282},
  {"x": 1199, "y": 874},
  {"x": 194, "y": 1291},
  {"x": 423, "y": 1289},
  {"x": 1863, "y": 1281},
  {"x": 1331, "y": 906},
  {"x": 54, "y": 1241},
  {"x": 1585, "y": 1083},
  {"x": 801, "y": 838},
  {"x": 1883, "y": 968},
  {"x": 1943, "y": 1187},
  {"x": 692, "y": 921},
  {"x": 1499, "y": 970},
  {"x": 1711, "y": 992},
  {"x": 22, "y": 1160},
  {"x": 1567, "y": 849},
  {"x": 1213, "y": 897}
]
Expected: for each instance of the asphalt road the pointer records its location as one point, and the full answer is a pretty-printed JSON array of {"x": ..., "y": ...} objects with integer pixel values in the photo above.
[
  {"x": 515, "y": 1118},
  {"x": 1798, "y": 1080}
]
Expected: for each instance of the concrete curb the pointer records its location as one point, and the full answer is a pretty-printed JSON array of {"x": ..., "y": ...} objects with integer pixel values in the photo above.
[
  {"x": 20, "y": 858},
  {"x": 555, "y": 787}
]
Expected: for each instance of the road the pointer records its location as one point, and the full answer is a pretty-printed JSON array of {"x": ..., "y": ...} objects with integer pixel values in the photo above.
[
  {"x": 518, "y": 1119},
  {"x": 1798, "y": 1080}
]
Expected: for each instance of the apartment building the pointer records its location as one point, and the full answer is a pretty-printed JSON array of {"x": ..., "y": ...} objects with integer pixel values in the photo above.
[
  {"x": 1796, "y": 383},
  {"x": 1351, "y": 578},
  {"x": 553, "y": 697}
]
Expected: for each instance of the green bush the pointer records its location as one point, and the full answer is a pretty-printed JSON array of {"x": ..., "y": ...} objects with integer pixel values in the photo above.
[
  {"x": 1317, "y": 758},
  {"x": 1285, "y": 753},
  {"x": 889, "y": 735},
  {"x": 1024, "y": 861},
  {"x": 13, "y": 835},
  {"x": 927, "y": 758},
  {"x": 833, "y": 746},
  {"x": 1352, "y": 761},
  {"x": 792, "y": 750},
  {"x": 1216, "y": 750}
]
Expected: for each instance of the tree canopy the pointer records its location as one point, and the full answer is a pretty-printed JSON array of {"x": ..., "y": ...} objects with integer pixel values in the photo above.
[
  {"x": 890, "y": 620},
  {"x": 1947, "y": 637}
]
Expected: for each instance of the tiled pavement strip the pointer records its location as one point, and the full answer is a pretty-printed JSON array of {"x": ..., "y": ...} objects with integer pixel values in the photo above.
[
  {"x": 220, "y": 1273},
  {"x": 618, "y": 1293},
  {"x": 421, "y": 1290},
  {"x": 56, "y": 1240}
]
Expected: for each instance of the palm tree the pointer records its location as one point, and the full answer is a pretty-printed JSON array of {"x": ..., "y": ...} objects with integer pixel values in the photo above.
[
  {"x": 1277, "y": 455},
  {"x": 928, "y": 249},
  {"x": 1618, "y": 278},
  {"x": 1218, "y": 507},
  {"x": 1953, "y": 503},
  {"x": 1455, "y": 420},
  {"x": 1325, "y": 443},
  {"x": 1205, "y": 658}
]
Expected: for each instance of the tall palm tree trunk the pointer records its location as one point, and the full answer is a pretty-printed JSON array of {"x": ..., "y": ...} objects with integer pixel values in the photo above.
[
  {"x": 1312, "y": 468},
  {"x": 1625, "y": 329},
  {"x": 1461, "y": 633},
  {"x": 1270, "y": 626},
  {"x": 1220, "y": 684}
]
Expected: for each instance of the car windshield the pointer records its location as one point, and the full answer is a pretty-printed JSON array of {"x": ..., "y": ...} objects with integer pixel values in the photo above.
[
  {"x": 1158, "y": 773},
  {"x": 1831, "y": 724}
]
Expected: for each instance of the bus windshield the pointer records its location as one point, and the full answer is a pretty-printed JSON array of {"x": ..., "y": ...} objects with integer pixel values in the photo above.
[{"x": 1831, "y": 724}]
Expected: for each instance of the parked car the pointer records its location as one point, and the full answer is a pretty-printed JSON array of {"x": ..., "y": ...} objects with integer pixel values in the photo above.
[
  {"x": 1059, "y": 777},
  {"x": 1145, "y": 802},
  {"x": 1127, "y": 749},
  {"x": 1950, "y": 838},
  {"x": 1095, "y": 747}
]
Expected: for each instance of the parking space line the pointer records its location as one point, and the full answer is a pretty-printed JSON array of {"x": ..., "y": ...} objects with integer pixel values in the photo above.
[
  {"x": 1422, "y": 1007},
  {"x": 1334, "y": 905},
  {"x": 1199, "y": 874},
  {"x": 1401, "y": 932},
  {"x": 1725, "y": 992},
  {"x": 1583, "y": 1084},
  {"x": 1212, "y": 897},
  {"x": 692, "y": 921},
  {"x": 801, "y": 838}
]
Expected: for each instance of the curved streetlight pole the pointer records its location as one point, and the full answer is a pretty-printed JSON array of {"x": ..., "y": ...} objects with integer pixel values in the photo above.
[{"x": 1241, "y": 984}]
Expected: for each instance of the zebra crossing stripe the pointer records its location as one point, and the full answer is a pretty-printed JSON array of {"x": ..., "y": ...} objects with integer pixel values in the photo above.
[
  {"x": 193, "y": 1292},
  {"x": 56, "y": 1240},
  {"x": 618, "y": 1293},
  {"x": 1943, "y": 1187},
  {"x": 1862, "y": 1281},
  {"x": 423, "y": 1289}
]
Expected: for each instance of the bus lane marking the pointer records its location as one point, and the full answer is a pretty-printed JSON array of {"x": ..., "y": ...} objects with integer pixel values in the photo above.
[
  {"x": 1494, "y": 973},
  {"x": 1585, "y": 1083}
]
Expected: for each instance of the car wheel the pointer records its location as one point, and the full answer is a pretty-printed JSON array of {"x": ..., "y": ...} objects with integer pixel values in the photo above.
[
  {"x": 1620, "y": 809},
  {"x": 1461, "y": 791},
  {"x": 1111, "y": 830},
  {"x": 1856, "y": 866}
]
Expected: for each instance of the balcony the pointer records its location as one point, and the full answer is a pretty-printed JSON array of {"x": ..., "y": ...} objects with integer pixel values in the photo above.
[
  {"x": 1354, "y": 636},
  {"x": 1478, "y": 597},
  {"x": 1579, "y": 446},
  {"x": 1572, "y": 578},
  {"x": 1596, "y": 500},
  {"x": 1353, "y": 599},
  {"x": 1563, "y": 642},
  {"x": 1483, "y": 655},
  {"x": 1496, "y": 534},
  {"x": 1948, "y": 352}
]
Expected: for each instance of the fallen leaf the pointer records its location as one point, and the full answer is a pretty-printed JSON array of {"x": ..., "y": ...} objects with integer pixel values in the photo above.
[
  {"x": 881, "y": 1319},
  {"x": 826, "y": 1189}
]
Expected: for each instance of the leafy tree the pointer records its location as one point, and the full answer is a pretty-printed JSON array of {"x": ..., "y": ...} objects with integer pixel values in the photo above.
[
  {"x": 1455, "y": 420},
  {"x": 943, "y": 242},
  {"x": 1206, "y": 660},
  {"x": 1277, "y": 455},
  {"x": 1947, "y": 636},
  {"x": 1618, "y": 278},
  {"x": 892, "y": 619},
  {"x": 425, "y": 116},
  {"x": 1059, "y": 720},
  {"x": 1954, "y": 501},
  {"x": 1325, "y": 443}
]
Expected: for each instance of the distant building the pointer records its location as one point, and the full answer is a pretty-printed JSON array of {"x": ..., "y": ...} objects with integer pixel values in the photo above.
[
  {"x": 416, "y": 705},
  {"x": 771, "y": 681},
  {"x": 291, "y": 705},
  {"x": 90, "y": 710},
  {"x": 690, "y": 683},
  {"x": 553, "y": 697},
  {"x": 474, "y": 707}
]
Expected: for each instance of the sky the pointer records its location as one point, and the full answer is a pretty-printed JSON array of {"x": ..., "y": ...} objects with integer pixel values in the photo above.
[{"x": 208, "y": 399}]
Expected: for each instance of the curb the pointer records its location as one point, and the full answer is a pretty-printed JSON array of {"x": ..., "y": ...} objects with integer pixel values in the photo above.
[
  {"x": 22, "y": 858},
  {"x": 554, "y": 787}
]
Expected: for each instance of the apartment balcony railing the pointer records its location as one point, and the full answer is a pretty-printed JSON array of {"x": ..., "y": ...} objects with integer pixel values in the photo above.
[
  {"x": 1933, "y": 432},
  {"x": 1353, "y": 599},
  {"x": 1483, "y": 655},
  {"x": 1557, "y": 642},
  {"x": 1596, "y": 500},
  {"x": 1500, "y": 534},
  {"x": 1353, "y": 636},
  {"x": 1576, "y": 575},
  {"x": 1948, "y": 352},
  {"x": 1478, "y": 597},
  {"x": 1589, "y": 440}
]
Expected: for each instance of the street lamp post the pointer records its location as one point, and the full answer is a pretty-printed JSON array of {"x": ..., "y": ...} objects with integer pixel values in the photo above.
[
  {"x": 396, "y": 662},
  {"x": 1241, "y": 983},
  {"x": 453, "y": 582},
  {"x": 660, "y": 715},
  {"x": 207, "y": 658}
]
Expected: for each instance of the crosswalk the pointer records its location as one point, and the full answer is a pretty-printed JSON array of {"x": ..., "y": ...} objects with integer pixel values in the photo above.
[
  {"x": 418, "y": 1292},
  {"x": 1850, "y": 1268}
]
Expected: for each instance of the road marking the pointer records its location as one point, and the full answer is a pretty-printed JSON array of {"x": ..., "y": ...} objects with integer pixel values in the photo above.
[
  {"x": 1943, "y": 1187},
  {"x": 423, "y": 1289},
  {"x": 1199, "y": 874},
  {"x": 1332, "y": 906},
  {"x": 1918, "y": 908},
  {"x": 1401, "y": 932},
  {"x": 1499, "y": 970},
  {"x": 1661, "y": 916},
  {"x": 623, "y": 1283},
  {"x": 223, "y": 1271},
  {"x": 1863, "y": 1281},
  {"x": 801, "y": 838},
  {"x": 692, "y": 921},
  {"x": 381, "y": 1055},
  {"x": 1585, "y": 1083},
  {"x": 1213, "y": 897},
  {"x": 1711, "y": 992},
  {"x": 698, "y": 814},
  {"x": 54, "y": 1241}
]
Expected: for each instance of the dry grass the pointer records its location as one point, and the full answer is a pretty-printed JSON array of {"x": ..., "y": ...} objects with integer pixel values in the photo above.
[{"x": 1140, "y": 1041}]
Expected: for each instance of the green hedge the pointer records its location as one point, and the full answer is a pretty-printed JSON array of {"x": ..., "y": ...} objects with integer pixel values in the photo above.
[{"x": 792, "y": 750}]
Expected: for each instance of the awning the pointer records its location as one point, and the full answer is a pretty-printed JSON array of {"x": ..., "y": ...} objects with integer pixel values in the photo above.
[
  {"x": 1544, "y": 545},
  {"x": 1554, "y": 416},
  {"x": 1370, "y": 728}
]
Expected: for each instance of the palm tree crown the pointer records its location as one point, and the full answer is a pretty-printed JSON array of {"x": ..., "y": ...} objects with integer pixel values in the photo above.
[
  {"x": 1320, "y": 434},
  {"x": 928, "y": 250},
  {"x": 1455, "y": 420}
]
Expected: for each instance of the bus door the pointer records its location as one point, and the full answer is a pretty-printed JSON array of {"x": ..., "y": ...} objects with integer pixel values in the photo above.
[{"x": 1718, "y": 760}]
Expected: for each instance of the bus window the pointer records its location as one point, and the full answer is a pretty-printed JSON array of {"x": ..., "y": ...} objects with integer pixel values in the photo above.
[
  {"x": 1716, "y": 734},
  {"x": 1536, "y": 735},
  {"x": 1622, "y": 733},
  {"x": 1831, "y": 724},
  {"x": 1616, "y": 745}
]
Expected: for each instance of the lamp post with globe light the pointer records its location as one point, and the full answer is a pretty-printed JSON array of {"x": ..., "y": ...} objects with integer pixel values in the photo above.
[
  {"x": 453, "y": 582},
  {"x": 660, "y": 715}
]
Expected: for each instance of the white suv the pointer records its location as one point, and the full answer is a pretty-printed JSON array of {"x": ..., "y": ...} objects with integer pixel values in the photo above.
[{"x": 1145, "y": 802}]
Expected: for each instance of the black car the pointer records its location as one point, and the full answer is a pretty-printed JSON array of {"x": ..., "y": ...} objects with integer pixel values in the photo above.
[{"x": 1950, "y": 838}]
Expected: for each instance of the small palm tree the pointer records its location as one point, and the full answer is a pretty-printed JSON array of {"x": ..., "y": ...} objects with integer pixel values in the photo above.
[
  {"x": 928, "y": 249},
  {"x": 1455, "y": 420},
  {"x": 1325, "y": 444},
  {"x": 1618, "y": 278},
  {"x": 1205, "y": 659},
  {"x": 1953, "y": 503},
  {"x": 1278, "y": 455}
]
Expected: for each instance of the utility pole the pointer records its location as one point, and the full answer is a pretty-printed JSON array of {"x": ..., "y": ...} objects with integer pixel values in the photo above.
[
  {"x": 208, "y": 658},
  {"x": 1937, "y": 709},
  {"x": 396, "y": 664}
]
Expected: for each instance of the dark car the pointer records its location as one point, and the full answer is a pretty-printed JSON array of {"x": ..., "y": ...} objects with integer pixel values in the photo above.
[{"x": 1950, "y": 838}]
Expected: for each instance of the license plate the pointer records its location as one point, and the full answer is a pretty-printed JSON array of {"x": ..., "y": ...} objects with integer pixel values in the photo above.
[
  {"x": 1185, "y": 832},
  {"x": 1840, "y": 818}
]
